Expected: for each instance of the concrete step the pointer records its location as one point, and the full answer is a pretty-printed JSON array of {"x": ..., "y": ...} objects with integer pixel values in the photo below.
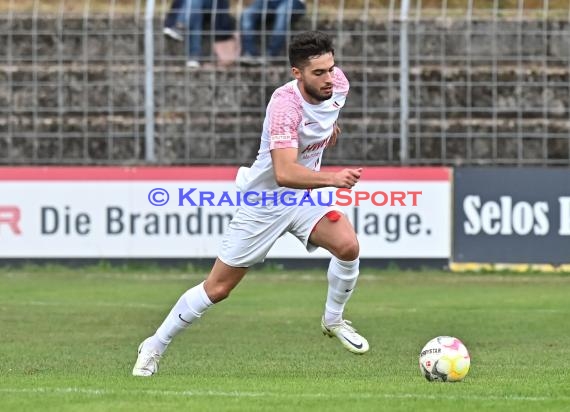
[
  {"x": 532, "y": 91},
  {"x": 101, "y": 36},
  {"x": 91, "y": 148},
  {"x": 235, "y": 140},
  {"x": 188, "y": 124},
  {"x": 50, "y": 70}
]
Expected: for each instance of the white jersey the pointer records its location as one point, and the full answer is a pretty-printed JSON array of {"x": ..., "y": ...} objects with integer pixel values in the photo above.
[{"x": 290, "y": 121}]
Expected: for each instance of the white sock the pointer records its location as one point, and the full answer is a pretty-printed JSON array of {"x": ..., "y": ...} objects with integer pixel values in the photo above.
[
  {"x": 191, "y": 305},
  {"x": 342, "y": 276}
]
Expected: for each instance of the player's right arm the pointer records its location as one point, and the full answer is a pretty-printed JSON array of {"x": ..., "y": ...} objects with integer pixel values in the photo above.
[{"x": 291, "y": 174}]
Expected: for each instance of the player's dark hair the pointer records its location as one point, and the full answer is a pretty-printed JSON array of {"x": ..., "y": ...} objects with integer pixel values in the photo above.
[{"x": 307, "y": 45}]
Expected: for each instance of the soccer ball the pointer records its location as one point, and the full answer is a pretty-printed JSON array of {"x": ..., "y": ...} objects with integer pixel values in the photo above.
[{"x": 444, "y": 358}]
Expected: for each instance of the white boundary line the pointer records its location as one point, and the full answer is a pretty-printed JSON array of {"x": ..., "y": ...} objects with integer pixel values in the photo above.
[
  {"x": 239, "y": 394},
  {"x": 446, "y": 278},
  {"x": 378, "y": 308},
  {"x": 87, "y": 304}
]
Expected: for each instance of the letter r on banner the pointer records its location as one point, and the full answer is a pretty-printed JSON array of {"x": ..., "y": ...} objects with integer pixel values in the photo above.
[{"x": 10, "y": 215}]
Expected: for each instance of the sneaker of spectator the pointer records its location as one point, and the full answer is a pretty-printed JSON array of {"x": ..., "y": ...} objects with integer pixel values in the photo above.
[
  {"x": 193, "y": 64},
  {"x": 250, "y": 60},
  {"x": 175, "y": 18},
  {"x": 173, "y": 34}
]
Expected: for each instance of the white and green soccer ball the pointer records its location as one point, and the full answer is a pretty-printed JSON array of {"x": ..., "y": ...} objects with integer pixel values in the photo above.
[{"x": 445, "y": 359}]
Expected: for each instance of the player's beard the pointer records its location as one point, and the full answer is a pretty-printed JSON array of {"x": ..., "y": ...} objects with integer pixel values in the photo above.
[{"x": 317, "y": 94}]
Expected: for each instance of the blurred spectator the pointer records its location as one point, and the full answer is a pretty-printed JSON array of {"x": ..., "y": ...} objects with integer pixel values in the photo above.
[
  {"x": 279, "y": 15},
  {"x": 175, "y": 19},
  {"x": 222, "y": 25},
  {"x": 192, "y": 14}
]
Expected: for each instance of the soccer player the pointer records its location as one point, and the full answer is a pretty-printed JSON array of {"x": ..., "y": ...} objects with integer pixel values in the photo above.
[{"x": 300, "y": 122}]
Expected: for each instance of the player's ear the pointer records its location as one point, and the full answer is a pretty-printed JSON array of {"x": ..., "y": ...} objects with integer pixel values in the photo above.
[{"x": 296, "y": 73}]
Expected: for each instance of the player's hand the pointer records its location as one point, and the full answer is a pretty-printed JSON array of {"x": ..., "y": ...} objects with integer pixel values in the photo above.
[
  {"x": 334, "y": 136},
  {"x": 347, "y": 178}
]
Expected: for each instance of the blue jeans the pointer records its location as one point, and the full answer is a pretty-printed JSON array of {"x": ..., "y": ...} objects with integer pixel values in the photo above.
[
  {"x": 194, "y": 13},
  {"x": 282, "y": 11},
  {"x": 175, "y": 14}
]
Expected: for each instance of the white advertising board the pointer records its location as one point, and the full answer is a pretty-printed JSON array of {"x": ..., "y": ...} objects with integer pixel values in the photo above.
[{"x": 71, "y": 212}]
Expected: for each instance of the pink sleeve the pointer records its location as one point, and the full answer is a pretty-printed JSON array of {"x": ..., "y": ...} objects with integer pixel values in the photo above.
[
  {"x": 285, "y": 114},
  {"x": 340, "y": 82}
]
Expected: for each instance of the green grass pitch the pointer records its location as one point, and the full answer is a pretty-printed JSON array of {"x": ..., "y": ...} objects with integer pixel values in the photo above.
[{"x": 68, "y": 342}]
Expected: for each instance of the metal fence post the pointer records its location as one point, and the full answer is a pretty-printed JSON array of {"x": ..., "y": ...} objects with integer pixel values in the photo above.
[
  {"x": 149, "y": 82},
  {"x": 404, "y": 80}
]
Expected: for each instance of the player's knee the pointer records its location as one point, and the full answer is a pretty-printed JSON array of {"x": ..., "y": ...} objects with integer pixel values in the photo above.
[
  {"x": 348, "y": 250},
  {"x": 218, "y": 292}
]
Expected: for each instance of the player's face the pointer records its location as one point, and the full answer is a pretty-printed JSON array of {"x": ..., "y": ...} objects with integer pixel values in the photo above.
[{"x": 315, "y": 80}]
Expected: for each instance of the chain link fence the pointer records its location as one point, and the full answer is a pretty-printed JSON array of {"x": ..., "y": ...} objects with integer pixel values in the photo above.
[{"x": 439, "y": 83}]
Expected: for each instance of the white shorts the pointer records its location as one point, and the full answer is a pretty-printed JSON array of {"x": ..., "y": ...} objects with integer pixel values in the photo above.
[{"x": 254, "y": 229}]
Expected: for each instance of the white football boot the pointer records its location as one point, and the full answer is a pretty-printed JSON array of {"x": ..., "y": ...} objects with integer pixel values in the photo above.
[
  {"x": 347, "y": 335},
  {"x": 147, "y": 361}
]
